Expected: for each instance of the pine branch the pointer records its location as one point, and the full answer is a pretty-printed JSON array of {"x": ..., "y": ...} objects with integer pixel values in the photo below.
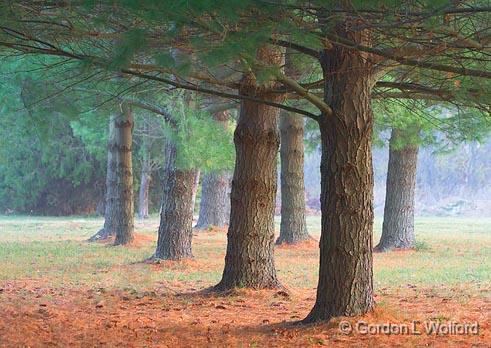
[
  {"x": 296, "y": 87},
  {"x": 390, "y": 54},
  {"x": 187, "y": 86},
  {"x": 299, "y": 48}
]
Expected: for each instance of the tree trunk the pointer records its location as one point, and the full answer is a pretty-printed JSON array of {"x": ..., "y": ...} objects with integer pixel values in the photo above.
[
  {"x": 145, "y": 179},
  {"x": 143, "y": 196},
  {"x": 214, "y": 207},
  {"x": 345, "y": 275},
  {"x": 108, "y": 230},
  {"x": 250, "y": 239},
  {"x": 146, "y": 174},
  {"x": 398, "y": 226},
  {"x": 124, "y": 204},
  {"x": 197, "y": 175},
  {"x": 176, "y": 217},
  {"x": 293, "y": 228},
  {"x": 214, "y": 197}
]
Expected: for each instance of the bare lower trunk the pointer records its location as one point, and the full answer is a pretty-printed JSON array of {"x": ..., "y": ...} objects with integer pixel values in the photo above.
[
  {"x": 345, "y": 275},
  {"x": 293, "y": 227},
  {"x": 108, "y": 230},
  {"x": 398, "y": 226},
  {"x": 143, "y": 194},
  {"x": 250, "y": 239},
  {"x": 146, "y": 175},
  {"x": 214, "y": 197},
  {"x": 197, "y": 175},
  {"x": 176, "y": 217},
  {"x": 124, "y": 204}
]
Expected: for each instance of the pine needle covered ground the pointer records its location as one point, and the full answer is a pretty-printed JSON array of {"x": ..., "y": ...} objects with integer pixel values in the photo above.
[{"x": 58, "y": 290}]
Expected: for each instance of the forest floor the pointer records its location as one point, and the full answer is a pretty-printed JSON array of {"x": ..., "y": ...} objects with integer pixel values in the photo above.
[{"x": 56, "y": 290}]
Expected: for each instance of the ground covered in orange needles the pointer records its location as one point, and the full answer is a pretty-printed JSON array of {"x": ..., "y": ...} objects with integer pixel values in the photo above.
[
  {"x": 34, "y": 315},
  {"x": 128, "y": 303}
]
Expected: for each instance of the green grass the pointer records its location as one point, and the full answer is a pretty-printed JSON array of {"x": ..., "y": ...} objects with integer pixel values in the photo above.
[{"x": 450, "y": 252}]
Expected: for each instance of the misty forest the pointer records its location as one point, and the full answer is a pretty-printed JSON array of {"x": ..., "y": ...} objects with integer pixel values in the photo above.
[{"x": 245, "y": 173}]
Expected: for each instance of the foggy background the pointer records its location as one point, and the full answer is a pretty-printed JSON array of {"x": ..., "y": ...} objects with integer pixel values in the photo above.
[{"x": 448, "y": 184}]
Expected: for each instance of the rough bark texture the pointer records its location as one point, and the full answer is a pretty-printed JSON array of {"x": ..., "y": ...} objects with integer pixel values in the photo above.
[
  {"x": 345, "y": 276},
  {"x": 123, "y": 204},
  {"x": 176, "y": 217},
  {"x": 214, "y": 197},
  {"x": 398, "y": 226},
  {"x": 250, "y": 239},
  {"x": 108, "y": 230},
  {"x": 293, "y": 228},
  {"x": 214, "y": 207}
]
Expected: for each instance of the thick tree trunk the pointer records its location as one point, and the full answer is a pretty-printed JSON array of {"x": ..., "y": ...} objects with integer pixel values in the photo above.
[
  {"x": 345, "y": 275},
  {"x": 250, "y": 239},
  {"x": 214, "y": 207},
  {"x": 176, "y": 217},
  {"x": 293, "y": 228},
  {"x": 214, "y": 197},
  {"x": 108, "y": 230},
  {"x": 398, "y": 226},
  {"x": 124, "y": 204}
]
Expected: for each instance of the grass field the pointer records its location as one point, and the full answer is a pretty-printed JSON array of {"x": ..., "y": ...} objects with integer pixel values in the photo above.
[{"x": 56, "y": 289}]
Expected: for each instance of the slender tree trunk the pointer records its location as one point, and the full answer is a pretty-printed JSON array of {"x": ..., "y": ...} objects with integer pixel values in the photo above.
[
  {"x": 146, "y": 173},
  {"x": 214, "y": 197},
  {"x": 197, "y": 175},
  {"x": 398, "y": 226},
  {"x": 176, "y": 217},
  {"x": 108, "y": 230},
  {"x": 345, "y": 275},
  {"x": 145, "y": 179},
  {"x": 143, "y": 195},
  {"x": 123, "y": 206},
  {"x": 249, "y": 259},
  {"x": 215, "y": 200},
  {"x": 293, "y": 228}
]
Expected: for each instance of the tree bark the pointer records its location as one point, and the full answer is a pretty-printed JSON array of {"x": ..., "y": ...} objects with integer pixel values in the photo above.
[
  {"x": 108, "y": 230},
  {"x": 214, "y": 197},
  {"x": 398, "y": 226},
  {"x": 215, "y": 200},
  {"x": 197, "y": 175},
  {"x": 146, "y": 174},
  {"x": 250, "y": 239},
  {"x": 293, "y": 228},
  {"x": 176, "y": 217},
  {"x": 143, "y": 196},
  {"x": 345, "y": 275},
  {"x": 123, "y": 205}
]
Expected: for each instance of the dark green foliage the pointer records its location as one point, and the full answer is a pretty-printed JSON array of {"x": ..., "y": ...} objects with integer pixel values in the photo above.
[
  {"x": 50, "y": 163},
  {"x": 55, "y": 177},
  {"x": 131, "y": 43}
]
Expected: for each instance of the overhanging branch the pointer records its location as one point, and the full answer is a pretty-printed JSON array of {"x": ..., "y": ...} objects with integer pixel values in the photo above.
[{"x": 409, "y": 61}]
